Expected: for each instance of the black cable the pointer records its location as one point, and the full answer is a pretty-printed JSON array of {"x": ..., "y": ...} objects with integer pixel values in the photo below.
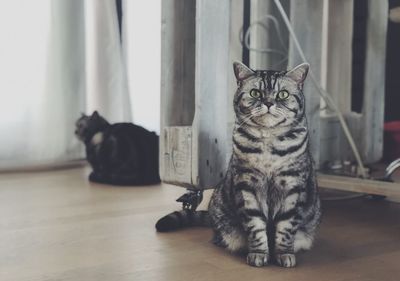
[
  {"x": 118, "y": 4},
  {"x": 246, "y": 24}
]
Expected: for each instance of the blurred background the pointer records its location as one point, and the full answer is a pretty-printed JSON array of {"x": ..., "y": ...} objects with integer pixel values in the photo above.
[{"x": 60, "y": 58}]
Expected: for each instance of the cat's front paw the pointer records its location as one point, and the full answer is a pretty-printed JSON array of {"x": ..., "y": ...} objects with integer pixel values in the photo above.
[
  {"x": 93, "y": 177},
  {"x": 286, "y": 260},
  {"x": 257, "y": 259},
  {"x": 96, "y": 177}
]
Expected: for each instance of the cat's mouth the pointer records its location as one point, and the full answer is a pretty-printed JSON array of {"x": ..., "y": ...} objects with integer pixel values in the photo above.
[
  {"x": 267, "y": 119},
  {"x": 269, "y": 113}
]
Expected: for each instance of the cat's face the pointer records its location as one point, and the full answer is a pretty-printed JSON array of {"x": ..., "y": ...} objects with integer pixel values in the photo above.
[
  {"x": 86, "y": 125},
  {"x": 81, "y": 126},
  {"x": 269, "y": 99}
]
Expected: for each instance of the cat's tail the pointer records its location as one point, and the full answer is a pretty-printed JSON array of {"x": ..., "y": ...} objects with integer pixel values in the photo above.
[{"x": 181, "y": 219}]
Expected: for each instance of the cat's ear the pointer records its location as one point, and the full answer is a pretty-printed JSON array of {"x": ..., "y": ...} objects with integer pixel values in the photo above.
[
  {"x": 299, "y": 73},
  {"x": 95, "y": 114},
  {"x": 241, "y": 71}
]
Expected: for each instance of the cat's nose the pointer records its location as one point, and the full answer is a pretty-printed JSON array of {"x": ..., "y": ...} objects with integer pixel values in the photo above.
[{"x": 268, "y": 104}]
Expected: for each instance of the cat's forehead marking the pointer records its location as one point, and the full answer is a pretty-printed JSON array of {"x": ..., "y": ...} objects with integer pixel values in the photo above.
[{"x": 268, "y": 78}]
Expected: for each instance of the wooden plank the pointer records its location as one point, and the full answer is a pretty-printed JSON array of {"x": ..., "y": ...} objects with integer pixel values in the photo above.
[
  {"x": 367, "y": 127},
  {"x": 235, "y": 54},
  {"x": 339, "y": 53},
  {"x": 330, "y": 138},
  {"x": 333, "y": 144},
  {"x": 213, "y": 67},
  {"x": 306, "y": 19},
  {"x": 359, "y": 185},
  {"x": 176, "y": 155},
  {"x": 177, "y": 62},
  {"x": 374, "y": 93},
  {"x": 177, "y": 90}
]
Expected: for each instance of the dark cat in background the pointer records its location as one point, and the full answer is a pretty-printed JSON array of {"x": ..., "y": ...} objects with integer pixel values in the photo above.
[{"x": 120, "y": 153}]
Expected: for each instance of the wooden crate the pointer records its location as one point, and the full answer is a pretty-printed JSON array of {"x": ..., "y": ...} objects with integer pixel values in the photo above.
[
  {"x": 366, "y": 126},
  {"x": 200, "y": 42},
  {"x": 197, "y": 89}
]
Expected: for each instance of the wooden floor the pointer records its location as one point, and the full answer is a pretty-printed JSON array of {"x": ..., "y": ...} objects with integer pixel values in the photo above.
[{"x": 57, "y": 226}]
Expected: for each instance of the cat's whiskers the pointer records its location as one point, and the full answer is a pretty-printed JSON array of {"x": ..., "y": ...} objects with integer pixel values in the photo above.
[
  {"x": 279, "y": 111},
  {"x": 247, "y": 117}
]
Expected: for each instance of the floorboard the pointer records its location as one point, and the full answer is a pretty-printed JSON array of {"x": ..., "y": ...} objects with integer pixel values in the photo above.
[{"x": 57, "y": 226}]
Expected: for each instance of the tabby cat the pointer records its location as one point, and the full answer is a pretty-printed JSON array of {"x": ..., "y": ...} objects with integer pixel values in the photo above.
[
  {"x": 267, "y": 206},
  {"x": 121, "y": 153}
]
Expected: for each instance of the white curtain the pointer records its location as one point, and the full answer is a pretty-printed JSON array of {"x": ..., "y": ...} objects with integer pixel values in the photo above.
[
  {"x": 142, "y": 45},
  {"x": 107, "y": 87},
  {"x": 58, "y": 58}
]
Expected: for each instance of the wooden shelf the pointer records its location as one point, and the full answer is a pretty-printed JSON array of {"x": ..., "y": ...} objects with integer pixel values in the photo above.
[{"x": 359, "y": 185}]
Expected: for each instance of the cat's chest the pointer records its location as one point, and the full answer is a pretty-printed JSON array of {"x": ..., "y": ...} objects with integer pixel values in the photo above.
[
  {"x": 272, "y": 153},
  {"x": 267, "y": 161}
]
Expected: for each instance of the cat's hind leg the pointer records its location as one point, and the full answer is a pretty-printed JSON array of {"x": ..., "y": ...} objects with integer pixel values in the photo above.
[
  {"x": 302, "y": 241},
  {"x": 304, "y": 237},
  {"x": 235, "y": 240},
  {"x": 228, "y": 232}
]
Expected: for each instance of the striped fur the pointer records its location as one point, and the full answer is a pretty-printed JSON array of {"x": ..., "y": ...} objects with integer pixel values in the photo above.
[{"x": 267, "y": 205}]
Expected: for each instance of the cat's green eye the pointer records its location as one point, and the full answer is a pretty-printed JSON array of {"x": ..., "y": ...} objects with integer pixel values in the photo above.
[
  {"x": 282, "y": 95},
  {"x": 255, "y": 94}
]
